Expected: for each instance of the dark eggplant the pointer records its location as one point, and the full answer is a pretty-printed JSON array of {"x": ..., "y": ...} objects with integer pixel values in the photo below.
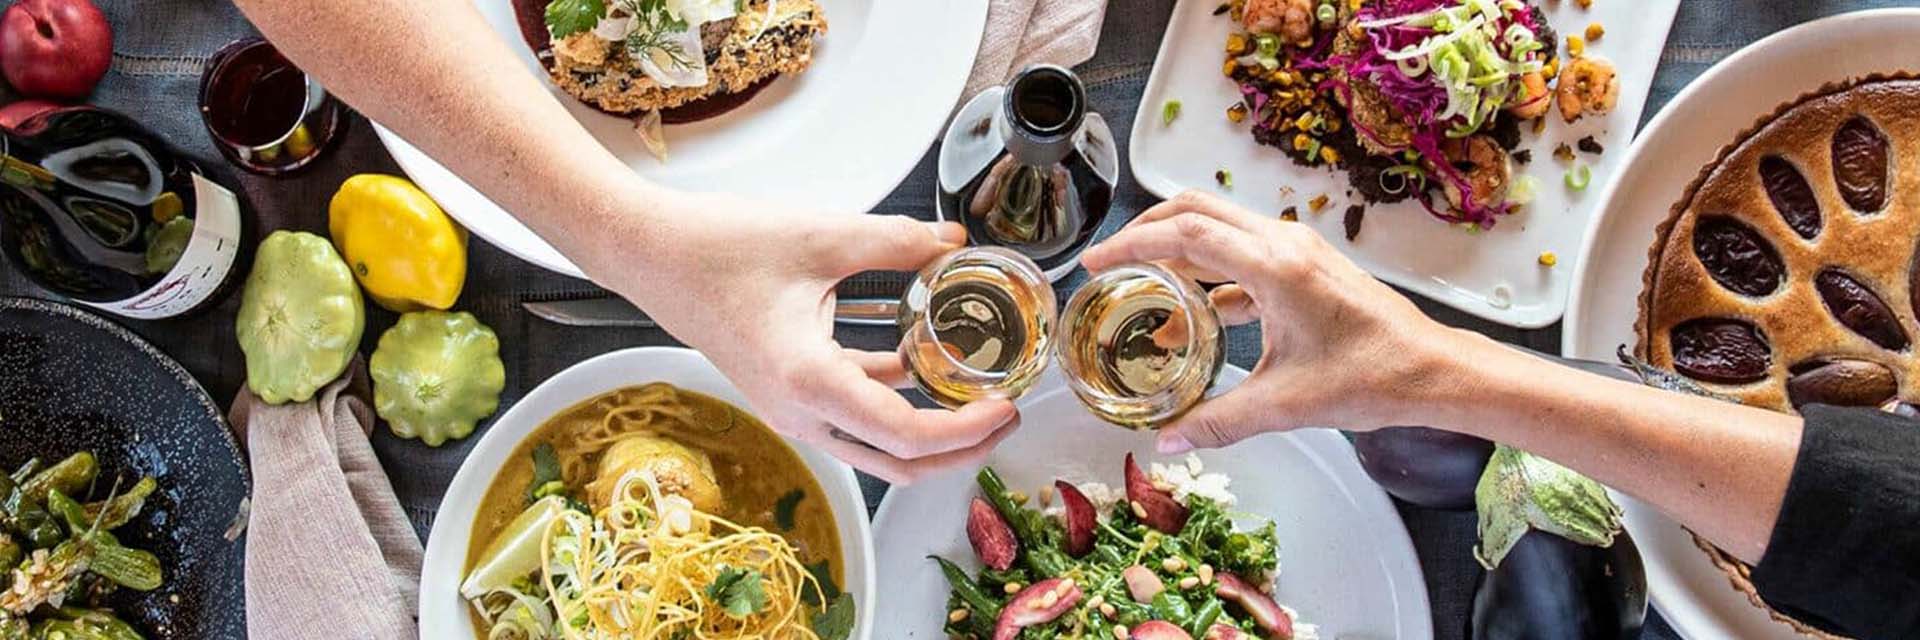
[
  {"x": 1425, "y": 467},
  {"x": 1549, "y": 588}
]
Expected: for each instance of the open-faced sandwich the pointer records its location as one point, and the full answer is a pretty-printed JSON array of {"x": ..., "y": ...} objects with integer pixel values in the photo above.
[
  {"x": 668, "y": 61},
  {"x": 1163, "y": 560}
]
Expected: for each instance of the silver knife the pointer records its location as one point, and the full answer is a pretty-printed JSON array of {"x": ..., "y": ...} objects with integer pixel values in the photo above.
[{"x": 617, "y": 312}]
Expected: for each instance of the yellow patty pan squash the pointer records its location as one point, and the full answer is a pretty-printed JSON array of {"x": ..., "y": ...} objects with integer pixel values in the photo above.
[
  {"x": 404, "y": 250},
  {"x": 300, "y": 317},
  {"x": 436, "y": 374}
]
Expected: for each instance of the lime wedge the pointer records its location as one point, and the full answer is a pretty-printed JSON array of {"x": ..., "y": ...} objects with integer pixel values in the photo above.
[{"x": 516, "y": 551}]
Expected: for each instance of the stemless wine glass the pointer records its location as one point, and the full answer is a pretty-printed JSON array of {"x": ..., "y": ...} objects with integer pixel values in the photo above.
[
  {"x": 265, "y": 115},
  {"x": 977, "y": 323},
  {"x": 1140, "y": 345}
]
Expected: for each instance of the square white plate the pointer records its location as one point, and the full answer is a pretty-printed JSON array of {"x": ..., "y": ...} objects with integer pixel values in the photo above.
[{"x": 1494, "y": 274}]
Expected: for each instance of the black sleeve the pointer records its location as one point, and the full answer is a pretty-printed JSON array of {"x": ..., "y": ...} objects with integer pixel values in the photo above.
[{"x": 1845, "y": 552}]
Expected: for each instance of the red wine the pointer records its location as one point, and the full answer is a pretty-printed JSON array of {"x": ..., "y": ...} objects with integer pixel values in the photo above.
[{"x": 98, "y": 209}]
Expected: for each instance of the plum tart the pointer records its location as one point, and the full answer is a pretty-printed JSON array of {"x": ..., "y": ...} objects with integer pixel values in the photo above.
[{"x": 1786, "y": 273}]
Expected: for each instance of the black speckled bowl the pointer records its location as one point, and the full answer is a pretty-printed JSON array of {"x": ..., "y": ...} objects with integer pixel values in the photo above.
[{"x": 70, "y": 380}]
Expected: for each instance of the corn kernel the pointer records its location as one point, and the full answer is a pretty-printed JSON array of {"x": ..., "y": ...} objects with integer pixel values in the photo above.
[
  {"x": 1329, "y": 155},
  {"x": 1227, "y": 68},
  {"x": 1576, "y": 46},
  {"x": 1548, "y": 259},
  {"x": 1594, "y": 31},
  {"x": 1551, "y": 68},
  {"x": 1318, "y": 202},
  {"x": 1584, "y": 4},
  {"x": 1290, "y": 214},
  {"x": 1237, "y": 112},
  {"x": 1304, "y": 122},
  {"x": 1238, "y": 45},
  {"x": 1301, "y": 141}
]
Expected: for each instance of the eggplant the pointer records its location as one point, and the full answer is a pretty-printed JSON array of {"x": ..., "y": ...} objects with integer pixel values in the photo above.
[
  {"x": 1550, "y": 588},
  {"x": 1424, "y": 467}
]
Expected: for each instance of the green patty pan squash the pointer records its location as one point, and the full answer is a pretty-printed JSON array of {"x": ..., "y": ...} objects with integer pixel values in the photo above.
[
  {"x": 300, "y": 317},
  {"x": 436, "y": 374}
]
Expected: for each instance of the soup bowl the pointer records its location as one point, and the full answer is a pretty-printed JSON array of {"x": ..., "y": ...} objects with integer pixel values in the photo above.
[{"x": 444, "y": 614}]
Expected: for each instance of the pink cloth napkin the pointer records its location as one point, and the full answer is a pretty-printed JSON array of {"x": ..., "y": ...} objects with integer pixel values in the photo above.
[
  {"x": 330, "y": 554},
  {"x": 1024, "y": 32}
]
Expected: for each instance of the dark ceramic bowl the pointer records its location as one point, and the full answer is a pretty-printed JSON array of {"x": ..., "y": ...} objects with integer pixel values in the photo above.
[{"x": 71, "y": 380}]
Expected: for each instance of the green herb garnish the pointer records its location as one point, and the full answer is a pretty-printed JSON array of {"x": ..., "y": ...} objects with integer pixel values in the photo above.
[
  {"x": 1579, "y": 176},
  {"x": 784, "y": 507},
  {"x": 546, "y": 470},
  {"x": 1169, "y": 112},
  {"x": 568, "y": 17},
  {"x": 836, "y": 622},
  {"x": 738, "y": 592}
]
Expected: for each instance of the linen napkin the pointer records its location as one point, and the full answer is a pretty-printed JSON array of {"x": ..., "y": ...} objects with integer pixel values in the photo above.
[
  {"x": 1025, "y": 32},
  {"x": 330, "y": 554}
]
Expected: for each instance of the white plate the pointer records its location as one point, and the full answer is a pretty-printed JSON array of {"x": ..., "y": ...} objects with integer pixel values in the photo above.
[
  {"x": 1345, "y": 560},
  {"x": 443, "y": 613},
  {"x": 1494, "y": 274},
  {"x": 838, "y": 137},
  {"x": 1693, "y": 595}
]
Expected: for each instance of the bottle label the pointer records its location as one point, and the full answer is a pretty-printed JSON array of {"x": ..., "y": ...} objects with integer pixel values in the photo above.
[{"x": 208, "y": 259}]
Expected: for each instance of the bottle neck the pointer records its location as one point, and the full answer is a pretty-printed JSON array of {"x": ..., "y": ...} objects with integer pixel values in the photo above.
[{"x": 1043, "y": 110}]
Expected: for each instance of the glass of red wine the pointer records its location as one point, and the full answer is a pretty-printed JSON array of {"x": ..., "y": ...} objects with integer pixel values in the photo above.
[{"x": 266, "y": 115}]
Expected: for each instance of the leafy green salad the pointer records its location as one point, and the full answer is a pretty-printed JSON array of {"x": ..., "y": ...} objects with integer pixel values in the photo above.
[{"x": 1164, "y": 562}]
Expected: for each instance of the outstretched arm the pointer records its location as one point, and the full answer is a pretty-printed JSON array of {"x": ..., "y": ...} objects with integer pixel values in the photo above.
[
  {"x": 748, "y": 283},
  {"x": 1344, "y": 350}
]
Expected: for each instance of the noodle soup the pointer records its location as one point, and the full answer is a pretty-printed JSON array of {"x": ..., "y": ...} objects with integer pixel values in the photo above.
[{"x": 678, "y": 510}]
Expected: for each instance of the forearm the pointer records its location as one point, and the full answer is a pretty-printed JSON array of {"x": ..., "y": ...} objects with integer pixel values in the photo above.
[
  {"x": 435, "y": 73},
  {"x": 1720, "y": 469}
]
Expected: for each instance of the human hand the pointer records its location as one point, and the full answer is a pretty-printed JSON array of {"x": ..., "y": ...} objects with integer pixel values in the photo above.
[
  {"x": 1340, "y": 348},
  {"x": 751, "y": 285}
]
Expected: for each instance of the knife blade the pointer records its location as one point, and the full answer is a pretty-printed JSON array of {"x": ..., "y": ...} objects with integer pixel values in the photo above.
[{"x": 617, "y": 312}]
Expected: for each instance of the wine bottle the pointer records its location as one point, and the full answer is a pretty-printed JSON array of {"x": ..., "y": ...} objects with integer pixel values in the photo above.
[{"x": 98, "y": 209}]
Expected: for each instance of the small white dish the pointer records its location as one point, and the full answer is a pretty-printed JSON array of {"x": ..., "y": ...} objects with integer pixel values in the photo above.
[
  {"x": 1346, "y": 563},
  {"x": 444, "y": 614},
  {"x": 1493, "y": 274},
  {"x": 837, "y": 137},
  {"x": 1693, "y": 595}
]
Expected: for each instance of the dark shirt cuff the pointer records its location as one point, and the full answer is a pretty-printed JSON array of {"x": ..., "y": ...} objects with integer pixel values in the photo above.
[{"x": 1845, "y": 552}]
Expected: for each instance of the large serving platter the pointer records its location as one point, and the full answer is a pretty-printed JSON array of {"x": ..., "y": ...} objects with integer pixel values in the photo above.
[
  {"x": 1693, "y": 595},
  {"x": 1346, "y": 562},
  {"x": 1493, "y": 274},
  {"x": 838, "y": 137},
  {"x": 443, "y": 613}
]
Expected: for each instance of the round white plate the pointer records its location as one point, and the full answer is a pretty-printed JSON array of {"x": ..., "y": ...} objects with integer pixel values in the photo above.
[
  {"x": 1494, "y": 274},
  {"x": 1693, "y": 595},
  {"x": 838, "y": 137},
  {"x": 443, "y": 613},
  {"x": 1346, "y": 563}
]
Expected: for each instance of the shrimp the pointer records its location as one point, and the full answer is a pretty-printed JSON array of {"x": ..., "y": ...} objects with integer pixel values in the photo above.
[
  {"x": 1534, "y": 97},
  {"x": 1292, "y": 20},
  {"x": 1487, "y": 168},
  {"x": 1587, "y": 86}
]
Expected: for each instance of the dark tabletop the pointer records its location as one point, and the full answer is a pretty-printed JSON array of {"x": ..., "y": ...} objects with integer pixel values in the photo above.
[{"x": 160, "y": 46}]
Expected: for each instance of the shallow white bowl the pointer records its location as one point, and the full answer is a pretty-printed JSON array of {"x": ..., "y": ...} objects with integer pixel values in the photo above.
[
  {"x": 838, "y": 137},
  {"x": 443, "y": 613},
  {"x": 1346, "y": 562},
  {"x": 1689, "y": 591}
]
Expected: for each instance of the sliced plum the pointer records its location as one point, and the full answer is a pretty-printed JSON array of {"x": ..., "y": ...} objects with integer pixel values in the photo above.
[
  {"x": 1142, "y": 583},
  {"x": 1041, "y": 603},
  {"x": 1081, "y": 518},
  {"x": 1859, "y": 309},
  {"x": 1792, "y": 197},
  {"x": 1737, "y": 257},
  {"x": 1860, "y": 163},
  {"x": 1721, "y": 350},
  {"x": 991, "y": 537},
  {"x": 1155, "y": 508},
  {"x": 1157, "y": 630},
  {"x": 1840, "y": 382},
  {"x": 1224, "y": 632},
  {"x": 1259, "y": 606}
]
